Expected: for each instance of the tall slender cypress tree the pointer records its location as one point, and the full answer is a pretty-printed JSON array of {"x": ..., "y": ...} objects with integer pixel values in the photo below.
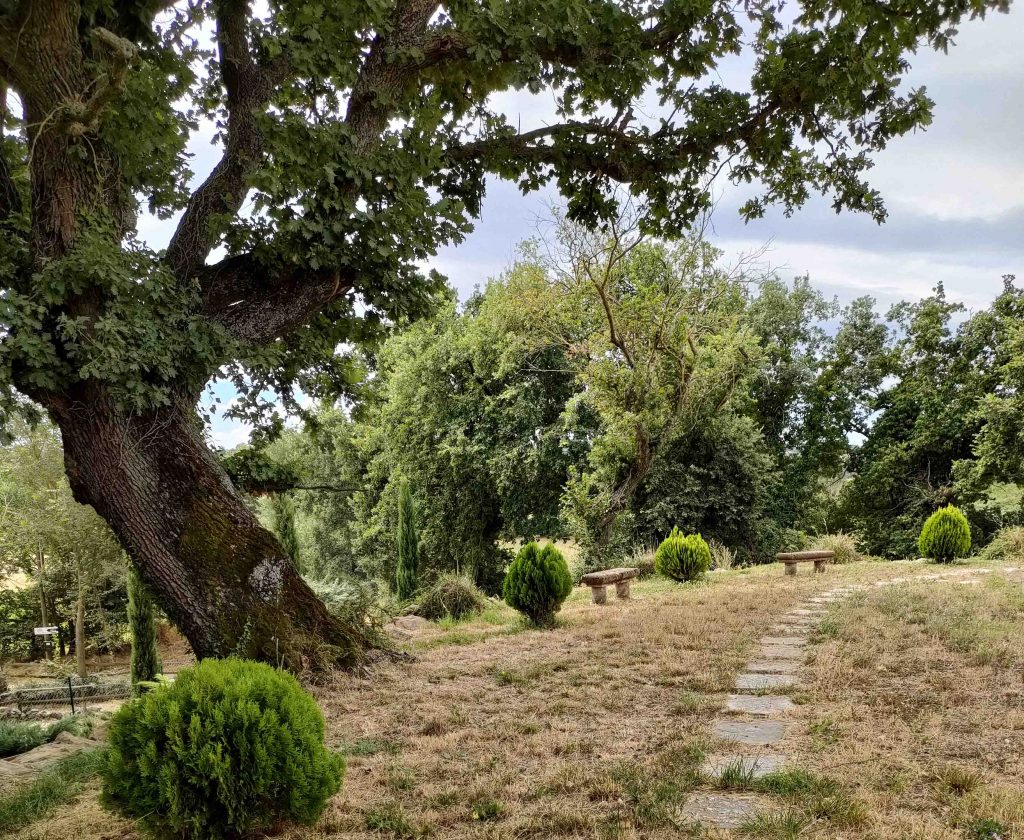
[
  {"x": 407, "y": 569},
  {"x": 284, "y": 527},
  {"x": 145, "y": 663}
]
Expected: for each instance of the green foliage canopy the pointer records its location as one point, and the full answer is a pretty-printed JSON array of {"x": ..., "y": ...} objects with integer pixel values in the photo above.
[{"x": 360, "y": 137}]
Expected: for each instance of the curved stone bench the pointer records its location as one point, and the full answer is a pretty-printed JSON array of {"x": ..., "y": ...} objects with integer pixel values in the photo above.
[
  {"x": 597, "y": 581},
  {"x": 791, "y": 558}
]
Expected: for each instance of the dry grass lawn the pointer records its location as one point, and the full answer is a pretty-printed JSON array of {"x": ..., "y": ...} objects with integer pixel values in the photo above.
[{"x": 596, "y": 729}]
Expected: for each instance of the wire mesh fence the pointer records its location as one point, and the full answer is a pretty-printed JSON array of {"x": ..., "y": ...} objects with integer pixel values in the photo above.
[{"x": 69, "y": 693}]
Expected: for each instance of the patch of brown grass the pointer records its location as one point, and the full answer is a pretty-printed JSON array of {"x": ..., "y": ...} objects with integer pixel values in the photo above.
[
  {"x": 916, "y": 704},
  {"x": 591, "y": 730}
]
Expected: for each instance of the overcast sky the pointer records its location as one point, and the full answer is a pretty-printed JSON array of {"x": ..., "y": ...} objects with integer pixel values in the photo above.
[{"x": 955, "y": 196}]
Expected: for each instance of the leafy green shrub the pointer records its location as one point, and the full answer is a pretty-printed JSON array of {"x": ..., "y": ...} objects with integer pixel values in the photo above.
[
  {"x": 1007, "y": 544},
  {"x": 451, "y": 595},
  {"x": 681, "y": 557},
  {"x": 537, "y": 582},
  {"x": 945, "y": 536},
  {"x": 842, "y": 545},
  {"x": 18, "y": 736},
  {"x": 231, "y": 747}
]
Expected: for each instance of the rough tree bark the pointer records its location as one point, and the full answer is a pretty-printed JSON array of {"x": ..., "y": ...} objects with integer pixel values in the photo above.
[{"x": 220, "y": 576}]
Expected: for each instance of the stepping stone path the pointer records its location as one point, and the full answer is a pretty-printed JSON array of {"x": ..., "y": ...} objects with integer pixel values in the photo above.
[{"x": 754, "y": 719}]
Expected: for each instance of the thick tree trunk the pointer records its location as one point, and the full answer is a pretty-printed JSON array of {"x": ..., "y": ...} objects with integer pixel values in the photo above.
[{"x": 221, "y": 577}]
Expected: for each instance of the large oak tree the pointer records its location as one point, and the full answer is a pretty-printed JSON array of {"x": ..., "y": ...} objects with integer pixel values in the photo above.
[{"x": 354, "y": 139}]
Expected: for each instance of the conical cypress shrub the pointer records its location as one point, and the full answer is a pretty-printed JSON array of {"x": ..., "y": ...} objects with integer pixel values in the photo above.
[
  {"x": 407, "y": 568},
  {"x": 537, "y": 583},
  {"x": 145, "y": 663},
  {"x": 945, "y": 536},
  {"x": 283, "y": 507},
  {"x": 682, "y": 558}
]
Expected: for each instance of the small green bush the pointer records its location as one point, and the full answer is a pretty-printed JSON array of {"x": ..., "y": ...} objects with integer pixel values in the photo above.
[
  {"x": 230, "y": 748},
  {"x": 842, "y": 545},
  {"x": 681, "y": 557},
  {"x": 945, "y": 536},
  {"x": 454, "y": 596},
  {"x": 537, "y": 583}
]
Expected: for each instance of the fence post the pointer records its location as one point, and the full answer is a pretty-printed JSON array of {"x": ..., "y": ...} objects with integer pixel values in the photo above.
[{"x": 71, "y": 693}]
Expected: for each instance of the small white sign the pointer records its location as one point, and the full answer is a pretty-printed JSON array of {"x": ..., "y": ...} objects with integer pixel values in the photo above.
[{"x": 45, "y": 631}]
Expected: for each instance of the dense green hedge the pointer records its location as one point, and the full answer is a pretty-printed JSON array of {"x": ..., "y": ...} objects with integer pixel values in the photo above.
[
  {"x": 945, "y": 536},
  {"x": 228, "y": 749},
  {"x": 682, "y": 558},
  {"x": 537, "y": 583}
]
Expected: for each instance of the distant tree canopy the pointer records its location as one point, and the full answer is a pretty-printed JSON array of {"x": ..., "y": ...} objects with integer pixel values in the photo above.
[
  {"x": 355, "y": 139},
  {"x": 835, "y": 418}
]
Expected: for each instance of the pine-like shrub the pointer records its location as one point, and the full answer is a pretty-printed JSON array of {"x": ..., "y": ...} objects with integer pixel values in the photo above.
[
  {"x": 681, "y": 557},
  {"x": 228, "y": 749},
  {"x": 145, "y": 662},
  {"x": 842, "y": 545},
  {"x": 945, "y": 536},
  {"x": 407, "y": 567},
  {"x": 537, "y": 583},
  {"x": 454, "y": 596}
]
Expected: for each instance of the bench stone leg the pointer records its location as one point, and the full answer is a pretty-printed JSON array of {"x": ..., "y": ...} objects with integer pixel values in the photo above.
[
  {"x": 599, "y": 594},
  {"x": 622, "y": 589},
  {"x": 819, "y": 566},
  {"x": 791, "y": 568}
]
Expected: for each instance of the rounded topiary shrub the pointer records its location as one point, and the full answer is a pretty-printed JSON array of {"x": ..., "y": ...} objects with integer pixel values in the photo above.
[
  {"x": 230, "y": 748},
  {"x": 537, "y": 582},
  {"x": 454, "y": 596},
  {"x": 681, "y": 557},
  {"x": 945, "y": 536}
]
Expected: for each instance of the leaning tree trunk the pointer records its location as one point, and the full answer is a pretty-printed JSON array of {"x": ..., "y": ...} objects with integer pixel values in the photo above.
[{"x": 220, "y": 576}]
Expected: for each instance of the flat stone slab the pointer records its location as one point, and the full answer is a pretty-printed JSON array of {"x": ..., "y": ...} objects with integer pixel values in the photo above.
[
  {"x": 802, "y": 611},
  {"x": 757, "y": 733},
  {"x": 765, "y": 705},
  {"x": 783, "y": 640},
  {"x": 758, "y": 682},
  {"x": 774, "y": 666},
  {"x": 792, "y": 631},
  {"x": 758, "y": 766},
  {"x": 721, "y": 810},
  {"x": 780, "y": 652}
]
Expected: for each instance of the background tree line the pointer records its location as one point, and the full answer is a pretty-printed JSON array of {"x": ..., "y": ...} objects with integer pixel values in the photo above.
[{"x": 606, "y": 388}]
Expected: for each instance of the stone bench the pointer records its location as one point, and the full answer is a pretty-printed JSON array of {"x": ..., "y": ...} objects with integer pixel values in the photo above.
[
  {"x": 597, "y": 581},
  {"x": 791, "y": 558}
]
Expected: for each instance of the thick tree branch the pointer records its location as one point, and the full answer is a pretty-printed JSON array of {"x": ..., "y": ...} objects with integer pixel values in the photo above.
[
  {"x": 381, "y": 79},
  {"x": 256, "y": 303},
  {"x": 613, "y": 151},
  {"x": 248, "y": 87}
]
